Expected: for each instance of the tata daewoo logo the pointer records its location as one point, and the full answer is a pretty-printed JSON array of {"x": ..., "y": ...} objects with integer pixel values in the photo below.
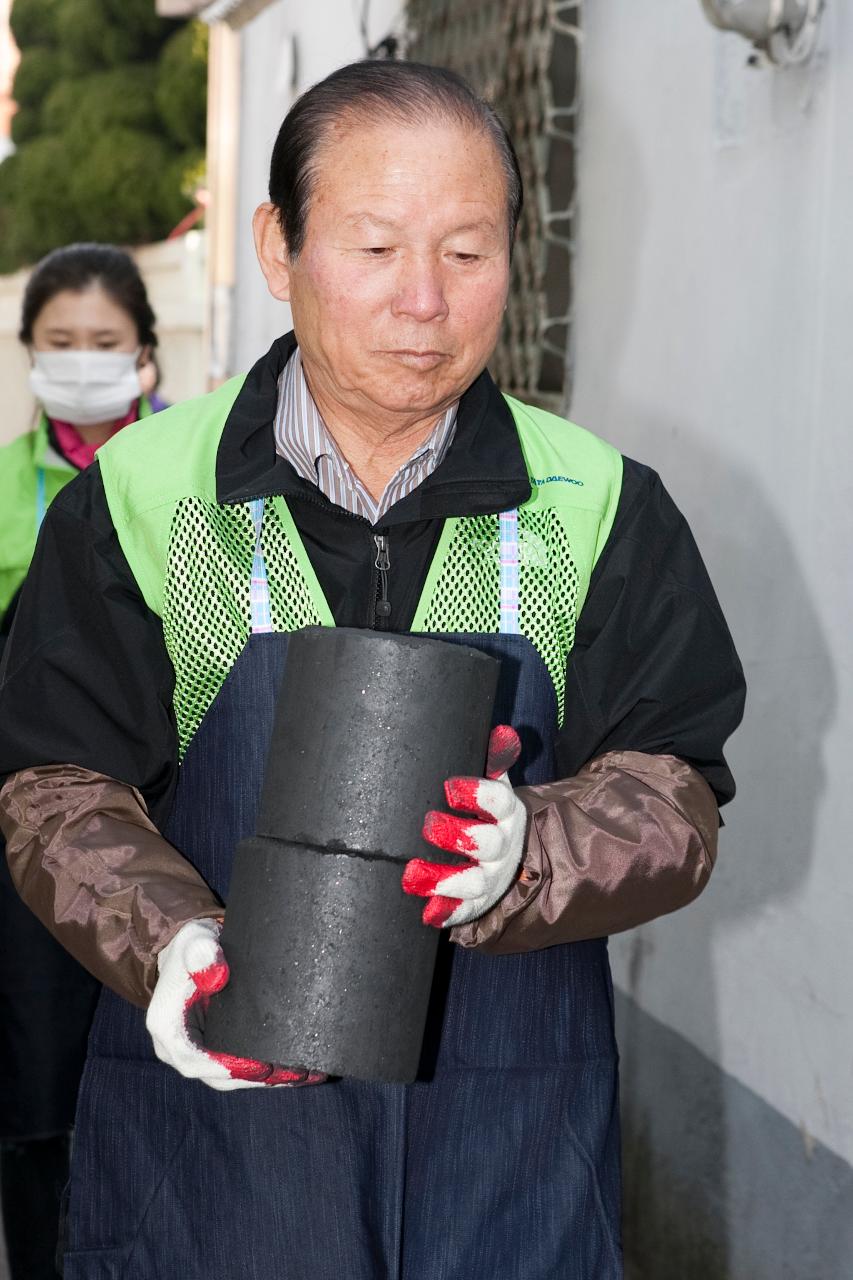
[{"x": 555, "y": 480}]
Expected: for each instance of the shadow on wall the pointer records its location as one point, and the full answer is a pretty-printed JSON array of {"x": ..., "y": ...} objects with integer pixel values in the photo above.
[
  {"x": 701, "y": 1202},
  {"x": 694, "y": 1210}
]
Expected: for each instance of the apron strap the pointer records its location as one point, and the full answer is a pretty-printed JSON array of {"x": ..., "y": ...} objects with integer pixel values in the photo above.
[
  {"x": 261, "y": 616},
  {"x": 260, "y": 593},
  {"x": 509, "y": 572},
  {"x": 41, "y": 497}
]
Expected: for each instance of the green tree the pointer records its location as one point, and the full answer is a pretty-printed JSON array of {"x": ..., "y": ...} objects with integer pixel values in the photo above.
[
  {"x": 182, "y": 85},
  {"x": 38, "y": 215},
  {"x": 33, "y": 22},
  {"x": 97, "y": 33},
  {"x": 39, "y": 68},
  {"x": 121, "y": 96},
  {"x": 110, "y": 127}
]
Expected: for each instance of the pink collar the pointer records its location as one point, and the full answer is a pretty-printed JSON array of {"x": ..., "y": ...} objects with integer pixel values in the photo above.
[{"x": 74, "y": 448}]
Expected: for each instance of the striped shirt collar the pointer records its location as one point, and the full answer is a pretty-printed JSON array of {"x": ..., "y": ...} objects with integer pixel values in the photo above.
[{"x": 303, "y": 439}]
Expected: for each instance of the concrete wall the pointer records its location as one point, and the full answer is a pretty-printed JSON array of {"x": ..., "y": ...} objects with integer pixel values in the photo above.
[
  {"x": 17, "y": 404},
  {"x": 713, "y": 312},
  {"x": 174, "y": 276},
  {"x": 284, "y": 50}
]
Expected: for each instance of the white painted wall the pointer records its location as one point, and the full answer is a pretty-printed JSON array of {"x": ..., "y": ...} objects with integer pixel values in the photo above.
[
  {"x": 17, "y": 407},
  {"x": 714, "y": 310},
  {"x": 287, "y": 48}
]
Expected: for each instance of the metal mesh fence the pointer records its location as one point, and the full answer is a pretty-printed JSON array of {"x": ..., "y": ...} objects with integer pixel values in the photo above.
[{"x": 523, "y": 55}]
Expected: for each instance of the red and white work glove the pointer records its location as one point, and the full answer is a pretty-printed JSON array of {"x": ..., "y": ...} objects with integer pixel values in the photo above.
[
  {"x": 493, "y": 842},
  {"x": 192, "y": 968}
]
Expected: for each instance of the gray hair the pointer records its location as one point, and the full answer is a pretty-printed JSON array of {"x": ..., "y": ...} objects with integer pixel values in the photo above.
[{"x": 405, "y": 92}]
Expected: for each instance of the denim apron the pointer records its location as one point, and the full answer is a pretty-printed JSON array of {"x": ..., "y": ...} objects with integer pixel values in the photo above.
[{"x": 500, "y": 1163}]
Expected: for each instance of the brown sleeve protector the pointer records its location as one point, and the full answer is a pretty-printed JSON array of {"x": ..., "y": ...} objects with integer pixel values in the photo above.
[
  {"x": 88, "y": 861},
  {"x": 630, "y": 837}
]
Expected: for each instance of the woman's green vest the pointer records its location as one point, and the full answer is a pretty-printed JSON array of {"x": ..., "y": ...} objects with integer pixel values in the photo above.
[
  {"x": 192, "y": 556},
  {"x": 21, "y": 463}
]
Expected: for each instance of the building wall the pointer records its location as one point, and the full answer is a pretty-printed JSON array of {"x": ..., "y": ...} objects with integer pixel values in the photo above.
[
  {"x": 174, "y": 273},
  {"x": 284, "y": 50},
  {"x": 713, "y": 310}
]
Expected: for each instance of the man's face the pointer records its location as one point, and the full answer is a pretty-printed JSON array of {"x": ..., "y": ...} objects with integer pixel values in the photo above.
[{"x": 398, "y": 291}]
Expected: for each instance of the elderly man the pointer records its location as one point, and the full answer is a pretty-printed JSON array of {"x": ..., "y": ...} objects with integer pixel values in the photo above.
[{"x": 366, "y": 472}]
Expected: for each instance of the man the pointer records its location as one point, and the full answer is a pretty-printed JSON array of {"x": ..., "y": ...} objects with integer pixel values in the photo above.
[{"x": 367, "y": 472}]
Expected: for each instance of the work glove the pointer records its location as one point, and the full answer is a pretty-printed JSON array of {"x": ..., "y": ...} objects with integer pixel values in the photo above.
[
  {"x": 192, "y": 968},
  {"x": 493, "y": 843}
]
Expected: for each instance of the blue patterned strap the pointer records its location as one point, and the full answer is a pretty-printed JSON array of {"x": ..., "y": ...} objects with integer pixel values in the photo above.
[
  {"x": 509, "y": 573},
  {"x": 261, "y": 616}
]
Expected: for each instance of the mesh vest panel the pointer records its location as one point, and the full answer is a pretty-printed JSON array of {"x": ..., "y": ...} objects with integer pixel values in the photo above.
[
  {"x": 207, "y": 598},
  {"x": 291, "y": 602},
  {"x": 466, "y": 596}
]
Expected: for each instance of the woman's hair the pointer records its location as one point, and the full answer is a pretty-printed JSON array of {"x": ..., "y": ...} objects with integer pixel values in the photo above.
[
  {"x": 79, "y": 266},
  {"x": 408, "y": 93}
]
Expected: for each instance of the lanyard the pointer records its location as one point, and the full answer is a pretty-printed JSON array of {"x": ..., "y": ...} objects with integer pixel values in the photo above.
[
  {"x": 41, "y": 500},
  {"x": 261, "y": 617},
  {"x": 509, "y": 572}
]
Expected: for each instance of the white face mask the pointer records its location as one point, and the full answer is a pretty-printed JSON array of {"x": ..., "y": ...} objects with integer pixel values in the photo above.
[{"x": 85, "y": 387}]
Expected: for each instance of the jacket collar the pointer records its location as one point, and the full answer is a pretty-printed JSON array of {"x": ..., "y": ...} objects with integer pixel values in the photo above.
[
  {"x": 482, "y": 472},
  {"x": 46, "y": 455},
  {"x": 46, "y": 451}
]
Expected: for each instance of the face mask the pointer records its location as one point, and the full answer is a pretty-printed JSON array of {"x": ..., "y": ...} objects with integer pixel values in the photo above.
[{"x": 85, "y": 387}]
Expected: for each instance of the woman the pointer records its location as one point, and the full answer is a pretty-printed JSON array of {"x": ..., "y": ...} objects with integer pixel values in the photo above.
[
  {"x": 88, "y": 327},
  {"x": 89, "y": 330}
]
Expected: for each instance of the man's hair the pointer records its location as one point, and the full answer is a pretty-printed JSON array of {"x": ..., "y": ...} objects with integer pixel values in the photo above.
[{"x": 407, "y": 93}]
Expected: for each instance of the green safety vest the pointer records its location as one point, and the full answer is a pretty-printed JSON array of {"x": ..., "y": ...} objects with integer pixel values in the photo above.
[
  {"x": 192, "y": 556},
  {"x": 31, "y": 475}
]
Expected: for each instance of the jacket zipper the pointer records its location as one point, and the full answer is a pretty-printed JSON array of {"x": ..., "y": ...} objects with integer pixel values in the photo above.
[{"x": 382, "y": 563}]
